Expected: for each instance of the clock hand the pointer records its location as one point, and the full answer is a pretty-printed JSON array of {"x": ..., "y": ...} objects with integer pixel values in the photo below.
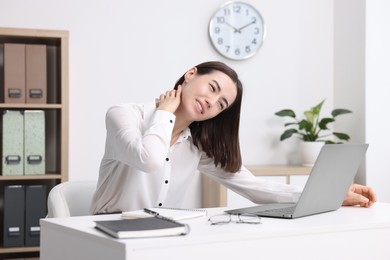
[
  {"x": 235, "y": 29},
  {"x": 239, "y": 30}
]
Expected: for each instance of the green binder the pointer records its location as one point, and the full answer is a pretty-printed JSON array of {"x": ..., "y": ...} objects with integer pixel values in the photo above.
[
  {"x": 12, "y": 149},
  {"x": 34, "y": 142}
]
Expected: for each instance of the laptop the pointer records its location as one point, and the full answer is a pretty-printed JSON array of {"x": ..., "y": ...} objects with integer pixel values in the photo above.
[{"x": 328, "y": 183}]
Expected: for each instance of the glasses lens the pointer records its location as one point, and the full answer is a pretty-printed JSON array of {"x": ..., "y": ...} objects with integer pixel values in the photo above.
[
  {"x": 220, "y": 219},
  {"x": 249, "y": 219}
]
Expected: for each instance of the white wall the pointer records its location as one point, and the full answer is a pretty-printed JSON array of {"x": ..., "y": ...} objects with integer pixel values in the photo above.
[
  {"x": 122, "y": 51},
  {"x": 378, "y": 96},
  {"x": 133, "y": 50},
  {"x": 349, "y": 70}
]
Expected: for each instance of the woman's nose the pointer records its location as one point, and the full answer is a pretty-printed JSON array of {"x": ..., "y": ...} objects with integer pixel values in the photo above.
[{"x": 211, "y": 101}]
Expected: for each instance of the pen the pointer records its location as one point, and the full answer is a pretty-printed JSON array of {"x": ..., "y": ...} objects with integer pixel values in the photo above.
[
  {"x": 151, "y": 212},
  {"x": 157, "y": 215}
]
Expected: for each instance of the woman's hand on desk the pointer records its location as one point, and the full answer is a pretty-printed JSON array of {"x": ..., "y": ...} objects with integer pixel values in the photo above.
[{"x": 360, "y": 195}]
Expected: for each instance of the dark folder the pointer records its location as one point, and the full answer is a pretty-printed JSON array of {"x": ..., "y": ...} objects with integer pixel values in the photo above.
[
  {"x": 35, "y": 210},
  {"x": 14, "y": 73},
  {"x": 36, "y": 73},
  {"x": 13, "y": 218}
]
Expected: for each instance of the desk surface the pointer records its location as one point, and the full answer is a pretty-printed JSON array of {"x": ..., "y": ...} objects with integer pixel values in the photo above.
[{"x": 350, "y": 232}]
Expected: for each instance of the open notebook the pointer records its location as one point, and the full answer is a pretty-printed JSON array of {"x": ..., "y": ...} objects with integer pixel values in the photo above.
[{"x": 171, "y": 213}]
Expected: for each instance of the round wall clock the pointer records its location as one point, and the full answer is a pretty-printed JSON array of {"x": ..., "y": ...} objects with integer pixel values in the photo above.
[{"x": 237, "y": 30}]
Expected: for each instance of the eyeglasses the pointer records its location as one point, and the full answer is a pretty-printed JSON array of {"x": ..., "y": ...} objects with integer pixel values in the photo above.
[{"x": 240, "y": 218}]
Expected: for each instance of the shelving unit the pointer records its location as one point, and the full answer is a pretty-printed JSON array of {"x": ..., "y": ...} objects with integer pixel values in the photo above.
[{"x": 56, "y": 113}]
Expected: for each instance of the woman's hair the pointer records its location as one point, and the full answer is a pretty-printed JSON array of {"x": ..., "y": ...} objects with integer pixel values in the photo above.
[{"x": 219, "y": 136}]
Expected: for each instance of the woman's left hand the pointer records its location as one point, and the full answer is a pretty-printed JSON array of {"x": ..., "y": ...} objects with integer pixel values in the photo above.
[
  {"x": 169, "y": 101},
  {"x": 360, "y": 195}
]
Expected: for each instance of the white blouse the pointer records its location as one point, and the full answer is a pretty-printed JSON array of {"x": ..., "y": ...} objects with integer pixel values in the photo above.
[{"x": 140, "y": 169}]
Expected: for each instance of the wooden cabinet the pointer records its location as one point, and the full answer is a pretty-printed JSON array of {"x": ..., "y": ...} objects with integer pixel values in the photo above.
[{"x": 55, "y": 110}]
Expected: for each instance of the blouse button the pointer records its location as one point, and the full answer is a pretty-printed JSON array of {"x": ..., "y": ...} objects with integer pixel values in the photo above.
[
  {"x": 166, "y": 181},
  {"x": 160, "y": 204},
  {"x": 170, "y": 121},
  {"x": 167, "y": 159}
]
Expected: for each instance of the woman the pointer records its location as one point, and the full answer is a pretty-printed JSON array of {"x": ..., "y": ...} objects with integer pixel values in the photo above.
[{"x": 153, "y": 150}]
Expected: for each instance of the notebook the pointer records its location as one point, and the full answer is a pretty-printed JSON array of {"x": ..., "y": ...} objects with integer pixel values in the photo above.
[
  {"x": 171, "y": 213},
  {"x": 326, "y": 187},
  {"x": 156, "y": 226}
]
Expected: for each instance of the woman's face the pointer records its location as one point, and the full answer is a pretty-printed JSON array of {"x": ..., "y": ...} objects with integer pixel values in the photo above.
[{"x": 205, "y": 96}]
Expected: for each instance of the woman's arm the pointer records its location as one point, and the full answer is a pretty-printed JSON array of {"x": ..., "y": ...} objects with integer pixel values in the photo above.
[{"x": 136, "y": 139}]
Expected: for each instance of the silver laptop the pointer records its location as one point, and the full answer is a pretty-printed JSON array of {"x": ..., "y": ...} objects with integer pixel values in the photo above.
[{"x": 326, "y": 187}]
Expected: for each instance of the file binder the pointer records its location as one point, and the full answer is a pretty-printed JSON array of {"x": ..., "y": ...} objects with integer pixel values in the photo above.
[
  {"x": 14, "y": 73},
  {"x": 35, "y": 210},
  {"x": 13, "y": 218},
  {"x": 34, "y": 142},
  {"x": 36, "y": 74},
  {"x": 12, "y": 148}
]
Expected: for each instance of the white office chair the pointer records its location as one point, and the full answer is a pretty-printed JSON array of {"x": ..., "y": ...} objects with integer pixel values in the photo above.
[{"x": 72, "y": 198}]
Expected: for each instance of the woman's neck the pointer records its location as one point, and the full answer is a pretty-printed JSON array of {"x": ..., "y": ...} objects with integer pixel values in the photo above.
[{"x": 180, "y": 126}]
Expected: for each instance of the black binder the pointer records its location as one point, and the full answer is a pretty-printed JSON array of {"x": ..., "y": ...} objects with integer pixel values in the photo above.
[
  {"x": 13, "y": 226},
  {"x": 35, "y": 210}
]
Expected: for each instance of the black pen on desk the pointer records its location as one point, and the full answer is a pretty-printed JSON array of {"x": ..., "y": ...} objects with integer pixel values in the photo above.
[
  {"x": 157, "y": 215},
  {"x": 151, "y": 212}
]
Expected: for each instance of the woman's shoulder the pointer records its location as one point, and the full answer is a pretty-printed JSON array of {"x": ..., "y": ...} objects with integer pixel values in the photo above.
[{"x": 131, "y": 108}]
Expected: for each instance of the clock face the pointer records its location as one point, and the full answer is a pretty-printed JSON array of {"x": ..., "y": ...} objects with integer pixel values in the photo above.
[{"x": 237, "y": 30}]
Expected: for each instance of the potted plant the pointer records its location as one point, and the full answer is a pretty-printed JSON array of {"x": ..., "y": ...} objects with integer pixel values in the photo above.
[{"x": 312, "y": 129}]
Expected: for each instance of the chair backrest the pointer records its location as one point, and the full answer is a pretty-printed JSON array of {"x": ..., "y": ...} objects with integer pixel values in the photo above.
[{"x": 72, "y": 198}]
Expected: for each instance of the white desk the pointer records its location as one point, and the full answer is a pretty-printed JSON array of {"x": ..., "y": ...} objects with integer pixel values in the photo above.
[{"x": 348, "y": 233}]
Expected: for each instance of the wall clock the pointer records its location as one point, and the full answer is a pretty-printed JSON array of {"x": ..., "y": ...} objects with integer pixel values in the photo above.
[{"x": 237, "y": 30}]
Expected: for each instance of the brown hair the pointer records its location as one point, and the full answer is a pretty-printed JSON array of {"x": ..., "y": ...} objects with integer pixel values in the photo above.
[{"x": 219, "y": 136}]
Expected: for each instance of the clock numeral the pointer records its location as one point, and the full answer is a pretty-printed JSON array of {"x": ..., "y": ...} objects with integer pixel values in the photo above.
[
  {"x": 217, "y": 30},
  {"x": 220, "y": 19},
  {"x": 237, "y": 8},
  {"x": 227, "y": 48},
  {"x": 257, "y": 30},
  {"x": 226, "y": 12},
  {"x": 247, "y": 49},
  {"x": 237, "y": 51},
  {"x": 254, "y": 19},
  {"x": 220, "y": 41},
  {"x": 254, "y": 41}
]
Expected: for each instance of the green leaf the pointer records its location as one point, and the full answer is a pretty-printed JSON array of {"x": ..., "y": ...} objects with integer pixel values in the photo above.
[
  {"x": 291, "y": 123},
  {"x": 310, "y": 137},
  {"x": 310, "y": 116},
  {"x": 316, "y": 110},
  {"x": 323, "y": 123},
  {"x": 287, "y": 134},
  {"x": 306, "y": 125},
  {"x": 340, "y": 111},
  {"x": 342, "y": 136},
  {"x": 286, "y": 112}
]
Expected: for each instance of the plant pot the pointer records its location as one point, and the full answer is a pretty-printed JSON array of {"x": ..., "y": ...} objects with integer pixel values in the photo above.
[{"x": 310, "y": 152}]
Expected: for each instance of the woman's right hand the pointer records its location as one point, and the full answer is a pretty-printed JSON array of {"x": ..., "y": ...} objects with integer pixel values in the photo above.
[{"x": 169, "y": 101}]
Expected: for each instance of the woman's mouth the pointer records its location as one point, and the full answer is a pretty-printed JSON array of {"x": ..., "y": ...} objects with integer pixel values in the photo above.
[{"x": 199, "y": 107}]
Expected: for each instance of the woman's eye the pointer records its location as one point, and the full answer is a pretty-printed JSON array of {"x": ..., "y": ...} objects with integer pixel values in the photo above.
[
  {"x": 221, "y": 105},
  {"x": 212, "y": 88}
]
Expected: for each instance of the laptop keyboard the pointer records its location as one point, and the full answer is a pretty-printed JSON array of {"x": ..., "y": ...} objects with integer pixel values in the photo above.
[{"x": 288, "y": 210}]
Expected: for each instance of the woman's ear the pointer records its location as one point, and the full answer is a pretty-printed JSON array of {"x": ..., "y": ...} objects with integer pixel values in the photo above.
[{"x": 190, "y": 74}]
